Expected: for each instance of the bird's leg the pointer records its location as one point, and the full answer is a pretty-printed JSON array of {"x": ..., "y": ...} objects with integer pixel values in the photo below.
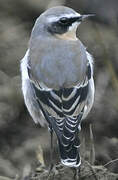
[
  {"x": 77, "y": 170},
  {"x": 51, "y": 149},
  {"x": 76, "y": 173}
]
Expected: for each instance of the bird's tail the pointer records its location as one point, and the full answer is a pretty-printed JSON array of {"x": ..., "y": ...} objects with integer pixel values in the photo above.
[
  {"x": 69, "y": 154},
  {"x": 68, "y": 141},
  {"x": 69, "y": 145}
]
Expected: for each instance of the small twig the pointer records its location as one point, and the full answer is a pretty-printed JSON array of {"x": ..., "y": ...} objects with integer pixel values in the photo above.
[
  {"x": 92, "y": 148},
  {"x": 94, "y": 173},
  {"x": 39, "y": 155},
  {"x": 110, "y": 162},
  {"x": 92, "y": 170}
]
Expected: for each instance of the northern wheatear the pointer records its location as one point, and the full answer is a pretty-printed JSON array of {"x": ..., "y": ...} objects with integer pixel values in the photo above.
[{"x": 57, "y": 78}]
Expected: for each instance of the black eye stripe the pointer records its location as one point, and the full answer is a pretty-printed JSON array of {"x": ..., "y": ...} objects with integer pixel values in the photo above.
[
  {"x": 69, "y": 21},
  {"x": 61, "y": 25}
]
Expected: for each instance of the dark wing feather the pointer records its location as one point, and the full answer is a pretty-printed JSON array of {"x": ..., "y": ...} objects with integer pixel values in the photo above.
[{"x": 64, "y": 110}]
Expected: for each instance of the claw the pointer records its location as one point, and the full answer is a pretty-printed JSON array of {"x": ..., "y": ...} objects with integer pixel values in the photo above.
[{"x": 50, "y": 169}]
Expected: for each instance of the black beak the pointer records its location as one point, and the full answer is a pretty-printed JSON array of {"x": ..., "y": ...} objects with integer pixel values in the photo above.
[
  {"x": 79, "y": 18},
  {"x": 82, "y": 17}
]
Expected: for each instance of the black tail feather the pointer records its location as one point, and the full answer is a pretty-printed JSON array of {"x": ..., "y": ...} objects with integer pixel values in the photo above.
[
  {"x": 68, "y": 141},
  {"x": 70, "y": 156}
]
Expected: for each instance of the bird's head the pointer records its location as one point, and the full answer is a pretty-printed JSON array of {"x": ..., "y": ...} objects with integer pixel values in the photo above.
[{"x": 60, "y": 21}]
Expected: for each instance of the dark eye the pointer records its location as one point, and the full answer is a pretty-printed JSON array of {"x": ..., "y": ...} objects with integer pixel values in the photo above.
[{"x": 63, "y": 20}]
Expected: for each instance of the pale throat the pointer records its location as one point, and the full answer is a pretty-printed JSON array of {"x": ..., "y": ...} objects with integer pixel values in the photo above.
[{"x": 70, "y": 34}]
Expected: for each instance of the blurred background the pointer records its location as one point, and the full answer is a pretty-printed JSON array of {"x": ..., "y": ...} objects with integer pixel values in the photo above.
[{"x": 20, "y": 138}]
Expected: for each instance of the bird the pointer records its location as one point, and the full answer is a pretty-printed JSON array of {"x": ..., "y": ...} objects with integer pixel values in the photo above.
[{"x": 57, "y": 79}]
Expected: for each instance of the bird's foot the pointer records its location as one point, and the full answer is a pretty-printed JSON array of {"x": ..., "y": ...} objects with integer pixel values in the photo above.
[
  {"x": 52, "y": 172},
  {"x": 50, "y": 169}
]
